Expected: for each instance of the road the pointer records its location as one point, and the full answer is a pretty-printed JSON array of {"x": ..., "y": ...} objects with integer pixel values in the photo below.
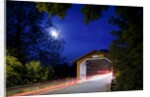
[
  {"x": 100, "y": 83},
  {"x": 97, "y": 83}
]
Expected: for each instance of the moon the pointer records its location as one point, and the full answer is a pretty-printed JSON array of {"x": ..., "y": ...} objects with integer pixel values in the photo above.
[{"x": 54, "y": 34}]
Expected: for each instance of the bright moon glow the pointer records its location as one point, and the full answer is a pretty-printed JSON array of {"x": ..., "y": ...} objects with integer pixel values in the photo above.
[{"x": 54, "y": 34}]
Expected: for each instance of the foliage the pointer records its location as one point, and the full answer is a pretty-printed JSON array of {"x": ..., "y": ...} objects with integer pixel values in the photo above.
[
  {"x": 53, "y": 8},
  {"x": 13, "y": 71},
  {"x": 27, "y": 34},
  {"x": 65, "y": 70},
  {"x": 127, "y": 49},
  {"x": 60, "y": 9},
  {"x": 92, "y": 12},
  {"x": 28, "y": 39},
  {"x": 31, "y": 72},
  {"x": 35, "y": 72}
]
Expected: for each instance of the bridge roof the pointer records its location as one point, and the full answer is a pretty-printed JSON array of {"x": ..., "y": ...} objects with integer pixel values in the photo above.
[{"x": 90, "y": 53}]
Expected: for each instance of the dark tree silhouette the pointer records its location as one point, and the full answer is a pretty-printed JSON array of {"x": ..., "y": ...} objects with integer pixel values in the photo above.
[
  {"x": 127, "y": 49},
  {"x": 29, "y": 44},
  {"x": 27, "y": 37}
]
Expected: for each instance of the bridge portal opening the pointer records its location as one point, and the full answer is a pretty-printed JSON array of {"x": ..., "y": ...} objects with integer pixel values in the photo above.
[
  {"x": 92, "y": 67},
  {"x": 93, "y": 63}
]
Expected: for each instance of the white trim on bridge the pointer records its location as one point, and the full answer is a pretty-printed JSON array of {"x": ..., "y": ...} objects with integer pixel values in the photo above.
[{"x": 83, "y": 66}]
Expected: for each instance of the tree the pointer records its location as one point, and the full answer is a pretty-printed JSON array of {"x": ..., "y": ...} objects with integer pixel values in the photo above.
[
  {"x": 36, "y": 72},
  {"x": 13, "y": 71},
  {"x": 60, "y": 9},
  {"x": 92, "y": 12},
  {"x": 27, "y": 37},
  {"x": 65, "y": 70},
  {"x": 127, "y": 49},
  {"x": 32, "y": 72},
  {"x": 52, "y": 9}
]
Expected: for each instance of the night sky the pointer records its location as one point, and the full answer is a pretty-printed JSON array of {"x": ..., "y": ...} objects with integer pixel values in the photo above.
[{"x": 81, "y": 38}]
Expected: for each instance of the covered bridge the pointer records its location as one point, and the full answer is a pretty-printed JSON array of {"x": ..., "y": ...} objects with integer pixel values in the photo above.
[{"x": 92, "y": 63}]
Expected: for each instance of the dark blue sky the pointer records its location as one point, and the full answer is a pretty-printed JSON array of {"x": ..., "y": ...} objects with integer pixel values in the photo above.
[{"x": 81, "y": 38}]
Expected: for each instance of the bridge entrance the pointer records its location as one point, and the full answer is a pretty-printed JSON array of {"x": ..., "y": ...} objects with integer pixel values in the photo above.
[{"x": 93, "y": 63}]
